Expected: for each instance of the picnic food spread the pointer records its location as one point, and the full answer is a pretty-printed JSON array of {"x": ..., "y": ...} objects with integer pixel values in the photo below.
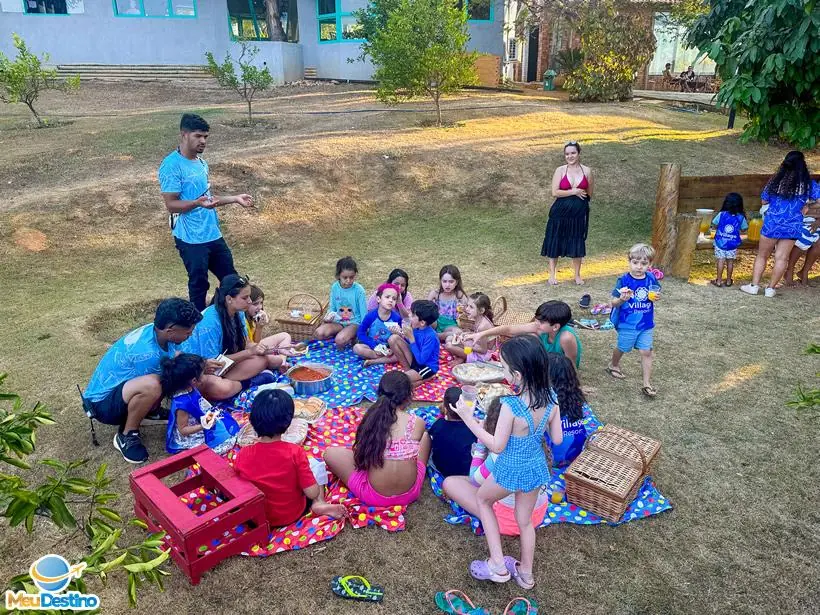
[{"x": 309, "y": 374}]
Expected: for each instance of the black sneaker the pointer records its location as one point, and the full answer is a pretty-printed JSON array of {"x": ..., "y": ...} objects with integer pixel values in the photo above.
[
  {"x": 130, "y": 445},
  {"x": 157, "y": 416}
]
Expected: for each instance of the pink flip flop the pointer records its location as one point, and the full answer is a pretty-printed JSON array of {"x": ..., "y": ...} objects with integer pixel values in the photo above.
[{"x": 480, "y": 570}]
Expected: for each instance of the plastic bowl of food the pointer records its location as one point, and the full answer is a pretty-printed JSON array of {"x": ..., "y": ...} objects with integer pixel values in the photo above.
[{"x": 310, "y": 378}]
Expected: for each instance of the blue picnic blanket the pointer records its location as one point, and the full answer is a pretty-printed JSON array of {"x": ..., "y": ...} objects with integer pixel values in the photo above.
[
  {"x": 648, "y": 501},
  {"x": 352, "y": 382}
]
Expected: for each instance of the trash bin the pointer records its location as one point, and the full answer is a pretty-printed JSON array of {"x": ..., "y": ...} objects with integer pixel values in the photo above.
[{"x": 549, "y": 78}]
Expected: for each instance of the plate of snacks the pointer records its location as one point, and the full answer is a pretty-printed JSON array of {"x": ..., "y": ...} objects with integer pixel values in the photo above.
[
  {"x": 310, "y": 409},
  {"x": 478, "y": 372}
]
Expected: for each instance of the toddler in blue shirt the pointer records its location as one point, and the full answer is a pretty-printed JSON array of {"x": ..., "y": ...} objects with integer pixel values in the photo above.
[{"x": 633, "y": 314}]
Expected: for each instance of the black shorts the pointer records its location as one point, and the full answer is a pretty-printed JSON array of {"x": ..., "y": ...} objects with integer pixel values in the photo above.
[
  {"x": 423, "y": 371},
  {"x": 111, "y": 410}
]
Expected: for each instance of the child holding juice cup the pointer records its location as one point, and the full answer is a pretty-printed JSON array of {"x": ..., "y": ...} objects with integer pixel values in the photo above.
[
  {"x": 480, "y": 312},
  {"x": 348, "y": 296},
  {"x": 633, "y": 314},
  {"x": 449, "y": 297},
  {"x": 729, "y": 222}
]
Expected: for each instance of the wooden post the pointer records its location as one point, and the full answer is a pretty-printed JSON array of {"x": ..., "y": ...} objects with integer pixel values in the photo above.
[
  {"x": 666, "y": 208},
  {"x": 686, "y": 239}
]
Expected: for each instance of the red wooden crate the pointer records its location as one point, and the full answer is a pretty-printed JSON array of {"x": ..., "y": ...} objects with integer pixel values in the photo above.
[{"x": 160, "y": 507}]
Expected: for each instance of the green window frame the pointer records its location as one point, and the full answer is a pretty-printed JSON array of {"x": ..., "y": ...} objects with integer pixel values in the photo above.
[
  {"x": 137, "y": 9},
  {"x": 250, "y": 26},
  {"x": 490, "y": 13},
  {"x": 336, "y": 26}
]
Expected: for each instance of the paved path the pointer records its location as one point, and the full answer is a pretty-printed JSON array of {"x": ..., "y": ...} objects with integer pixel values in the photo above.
[{"x": 700, "y": 98}]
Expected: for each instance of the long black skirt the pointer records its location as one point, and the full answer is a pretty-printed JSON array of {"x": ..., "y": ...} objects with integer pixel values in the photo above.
[{"x": 567, "y": 228}]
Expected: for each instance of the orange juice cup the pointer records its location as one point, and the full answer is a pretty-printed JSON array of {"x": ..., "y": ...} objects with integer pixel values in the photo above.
[{"x": 654, "y": 292}]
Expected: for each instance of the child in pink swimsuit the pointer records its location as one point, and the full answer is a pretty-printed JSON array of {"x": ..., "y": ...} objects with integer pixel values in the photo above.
[{"x": 376, "y": 451}]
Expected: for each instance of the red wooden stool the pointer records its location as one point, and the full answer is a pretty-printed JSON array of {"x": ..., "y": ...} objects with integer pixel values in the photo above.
[{"x": 190, "y": 536}]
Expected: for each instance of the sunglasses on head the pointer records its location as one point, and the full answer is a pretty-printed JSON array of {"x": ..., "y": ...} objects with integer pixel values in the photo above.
[{"x": 570, "y": 143}]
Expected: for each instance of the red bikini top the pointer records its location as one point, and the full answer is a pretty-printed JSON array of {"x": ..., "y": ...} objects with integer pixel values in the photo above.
[{"x": 565, "y": 185}]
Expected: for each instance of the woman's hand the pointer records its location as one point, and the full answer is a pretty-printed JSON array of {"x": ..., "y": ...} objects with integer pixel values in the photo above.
[
  {"x": 262, "y": 317},
  {"x": 580, "y": 192},
  {"x": 259, "y": 349},
  {"x": 463, "y": 410},
  {"x": 211, "y": 366}
]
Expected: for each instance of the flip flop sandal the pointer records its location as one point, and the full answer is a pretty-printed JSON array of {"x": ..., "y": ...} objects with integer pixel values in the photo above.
[
  {"x": 596, "y": 309},
  {"x": 615, "y": 372},
  {"x": 649, "y": 391},
  {"x": 607, "y": 326},
  {"x": 729, "y": 282},
  {"x": 584, "y": 302},
  {"x": 458, "y": 603},
  {"x": 606, "y": 309},
  {"x": 355, "y": 587},
  {"x": 481, "y": 571},
  {"x": 717, "y": 283},
  {"x": 512, "y": 567},
  {"x": 521, "y": 606}
]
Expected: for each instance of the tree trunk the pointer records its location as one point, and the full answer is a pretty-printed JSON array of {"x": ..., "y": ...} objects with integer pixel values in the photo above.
[
  {"x": 436, "y": 97},
  {"x": 275, "y": 30},
  {"x": 36, "y": 115},
  {"x": 293, "y": 22},
  {"x": 686, "y": 240},
  {"x": 250, "y": 115}
]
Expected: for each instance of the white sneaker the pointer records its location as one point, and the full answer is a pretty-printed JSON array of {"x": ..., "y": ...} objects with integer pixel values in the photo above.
[
  {"x": 750, "y": 289},
  {"x": 770, "y": 292}
]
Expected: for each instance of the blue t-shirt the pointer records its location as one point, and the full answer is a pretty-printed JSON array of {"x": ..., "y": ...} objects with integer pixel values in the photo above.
[
  {"x": 727, "y": 235},
  {"x": 349, "y": 303},
  {"x": 575, "y": 435},
  {"x": 639, "y": 312},
  {"x": 189, "y": 179},
  {"x": 206, "y": 339},
  {"x": 426, "y": 347},
  {"x": 197, "y": 406},
  {"x": 135, "y": 354},
  {"x": 373, "y": 330},
  {"x": 784, "y": 217}
]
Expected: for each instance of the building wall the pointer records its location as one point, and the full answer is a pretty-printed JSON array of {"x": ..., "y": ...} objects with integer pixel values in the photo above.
[
  {"x": 331, "y": 58},
  {"x": 98, "y": 36}
]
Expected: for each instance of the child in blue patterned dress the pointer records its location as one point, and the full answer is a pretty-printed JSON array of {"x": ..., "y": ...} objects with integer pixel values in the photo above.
[
  {"x": 521, "y": 467},
  {"x": 728, "y": 223},
  {"x": 347, "y": 308},
  {"x": 192, "y": 420}
]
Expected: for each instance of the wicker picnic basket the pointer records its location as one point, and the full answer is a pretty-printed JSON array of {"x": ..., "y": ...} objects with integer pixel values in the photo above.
[
  {"x": 606, "y": 476},
  {"x": 298, "y": 326}
]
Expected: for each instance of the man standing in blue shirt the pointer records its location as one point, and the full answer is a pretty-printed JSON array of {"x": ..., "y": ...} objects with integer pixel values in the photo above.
[
  {"x": 126, "y": 387},
  {"x": 183, "y": 180}
]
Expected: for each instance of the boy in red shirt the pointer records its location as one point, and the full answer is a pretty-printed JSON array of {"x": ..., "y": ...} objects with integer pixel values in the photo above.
[{"x": 280, "y": 469}]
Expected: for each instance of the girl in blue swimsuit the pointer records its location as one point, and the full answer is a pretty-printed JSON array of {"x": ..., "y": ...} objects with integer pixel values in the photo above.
[{"x": 521, "y": 467}]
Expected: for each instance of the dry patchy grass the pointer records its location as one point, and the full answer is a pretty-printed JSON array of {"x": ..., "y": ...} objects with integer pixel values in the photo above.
[{"x": 86, "y": 254}]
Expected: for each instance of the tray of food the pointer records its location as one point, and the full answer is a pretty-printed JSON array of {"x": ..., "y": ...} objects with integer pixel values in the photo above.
[{"x": 478, "y": 372}]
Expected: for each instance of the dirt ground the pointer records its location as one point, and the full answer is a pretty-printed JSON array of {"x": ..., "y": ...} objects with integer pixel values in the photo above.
[{"x": 86, "y": 250}]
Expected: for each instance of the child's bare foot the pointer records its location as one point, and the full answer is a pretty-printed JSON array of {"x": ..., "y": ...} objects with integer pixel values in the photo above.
[
  {"x": 336, "y": 511},
  {"x": 579, "y": 281},
  {"x": 370, "y": 362},
  {"x": 552, "y": 282}
]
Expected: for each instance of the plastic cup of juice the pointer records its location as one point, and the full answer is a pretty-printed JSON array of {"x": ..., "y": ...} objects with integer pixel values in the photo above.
[
  {"x": 469, "y": 394},
  {"x": 468, "y": 350},
  {"x": 654, "y": 292}
]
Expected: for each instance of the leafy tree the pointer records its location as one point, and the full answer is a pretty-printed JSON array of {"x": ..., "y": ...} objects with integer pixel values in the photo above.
[
  {"x": 419, "y": 47},
  {"x": 615, "y": 44},
  {"x": 23, "y": 79},
  {"x": 686, "y": 12},
  {"x": 251, "y": 78},
  {"x": 70, "y": 502},
  {"x": 768, "y": 57}
]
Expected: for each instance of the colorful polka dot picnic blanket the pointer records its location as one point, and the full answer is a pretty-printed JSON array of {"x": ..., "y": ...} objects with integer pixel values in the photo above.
[
  {"x": 648, "y": 501},
  {"x": 337, "y": 427},
  {"x": 352, "y": 381},
  {"x": 433, "y": 389}
]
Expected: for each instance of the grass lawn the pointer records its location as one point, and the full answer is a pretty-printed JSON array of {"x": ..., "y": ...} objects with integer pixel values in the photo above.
[{"x": 86, "y": 248}]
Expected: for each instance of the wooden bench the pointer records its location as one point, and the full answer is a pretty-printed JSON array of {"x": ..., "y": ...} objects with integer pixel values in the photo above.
[{"x": 676, "y": 225}]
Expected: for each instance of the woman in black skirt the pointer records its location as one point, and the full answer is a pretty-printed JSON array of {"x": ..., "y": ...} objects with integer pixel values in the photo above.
[{"x": 569, "y": 215}]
